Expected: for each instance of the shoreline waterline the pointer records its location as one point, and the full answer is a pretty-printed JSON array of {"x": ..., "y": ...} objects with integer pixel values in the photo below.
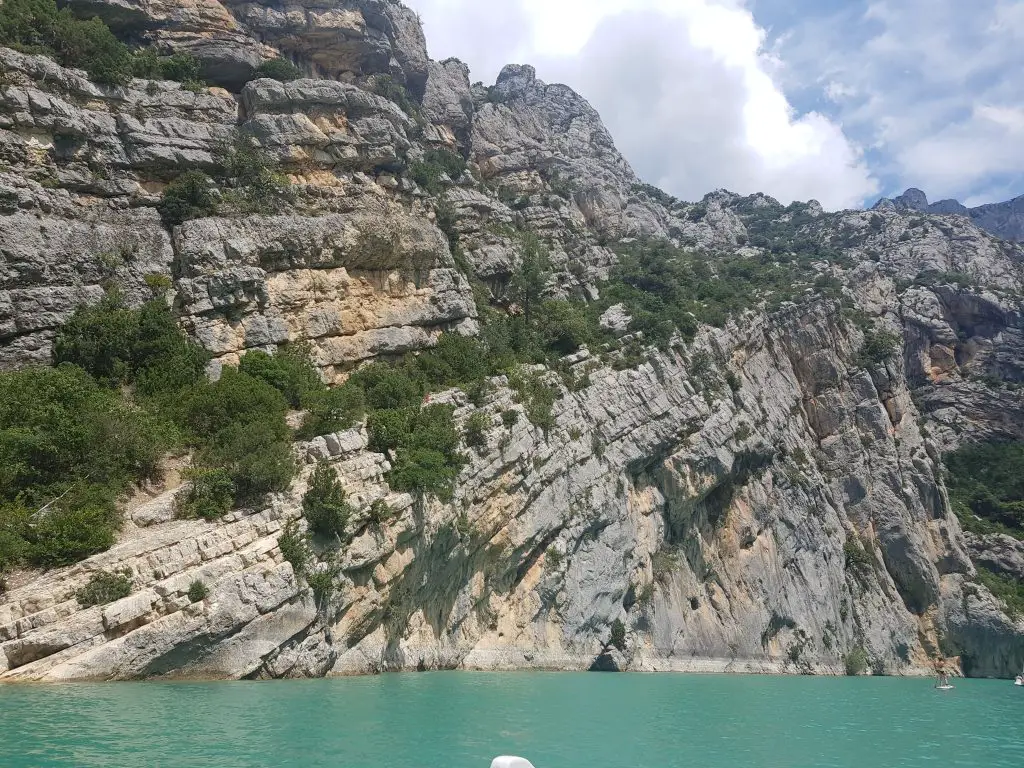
[{"x": 694, "y": 666}]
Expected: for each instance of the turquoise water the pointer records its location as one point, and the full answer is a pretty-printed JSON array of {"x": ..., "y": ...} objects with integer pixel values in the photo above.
[{"x": 462, "y": 720}]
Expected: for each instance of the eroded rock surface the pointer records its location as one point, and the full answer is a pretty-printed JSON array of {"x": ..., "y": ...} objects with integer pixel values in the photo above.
[{"x": 757, "y": 500}]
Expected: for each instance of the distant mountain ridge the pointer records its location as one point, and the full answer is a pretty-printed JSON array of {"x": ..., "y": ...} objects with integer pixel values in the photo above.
[{"x": 1005, "y": 220}]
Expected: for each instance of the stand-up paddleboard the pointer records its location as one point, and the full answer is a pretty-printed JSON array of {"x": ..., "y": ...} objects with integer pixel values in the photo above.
[
  {"x": 943, "y": 687},
  {"x": 507, "y": 761}
]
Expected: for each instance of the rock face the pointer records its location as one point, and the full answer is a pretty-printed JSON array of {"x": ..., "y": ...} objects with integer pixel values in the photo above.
[
  {"x": 998, "y": 552},
  {"x": 1004, "y": 220},
  {"x": 760, "y": 499},
  {"x": 254, "y": 606},
  {"x": 347, "y": 39}
]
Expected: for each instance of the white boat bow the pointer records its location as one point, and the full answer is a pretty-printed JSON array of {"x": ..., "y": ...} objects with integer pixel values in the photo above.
[{"x": 508, "y": 761}]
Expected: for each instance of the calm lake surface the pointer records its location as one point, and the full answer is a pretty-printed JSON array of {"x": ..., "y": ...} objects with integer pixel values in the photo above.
[{"x": 462, "y": 720}]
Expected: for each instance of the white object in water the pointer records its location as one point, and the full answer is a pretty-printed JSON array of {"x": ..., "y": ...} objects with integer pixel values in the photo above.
[
  {"x": 507, "y": 761},
  {"x": 1019, "y": 680},
  {"x": 944, "y": 687}
]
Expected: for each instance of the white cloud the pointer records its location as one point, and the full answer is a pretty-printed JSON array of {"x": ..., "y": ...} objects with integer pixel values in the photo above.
[
  {"x": 931, "y": 85},
  {"x": 986, "y": 144},
  {"x": 837, "y": 92},
  {"x": 685, "y": 86}
]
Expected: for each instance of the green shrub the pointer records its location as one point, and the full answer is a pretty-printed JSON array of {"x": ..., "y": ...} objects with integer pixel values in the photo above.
[
  {"x": 37, "y": 26},
  {"x": 436, "y": 162},
  {"x": 856, "y": 662},
  {"x": 1008, "y": 590},
  {"x": 531, "y": 279},
  {"x": 71, "y": 443},
  {"x": 324, "y": 506},
  {"x": 390, "y": 429},
  {"x": 321, "y": 583},
  {"x": 62, "y": 536},
  {"x": 210, "y": 496},
  {"x": 63, "y": 435},
  {"x": 387, "y": 387},
  {"x": 537, "y": 396},
  {"x": 427, "y": 176},
  {"x": 279, "y": 69},
  {"x": 478, "y": 392},
  {"x": 235, "y": 398},
  {"x": 426, "y": 444},
  {"x": 452, "y": 164},
  {"x": 668, "y": 289},
  {"x": 190, "y": 196},
  {"x": 463, "y": 527},
  {"x": 197, "y": 591},
  {"x": 426, "y": 471},
  {"x": 509, "y": 418},
  {"x": 617, "y": 638},
  {"x": 332, "y": 410},
  {"x": 165, "y": 361},
  {"x": 386, "y": 86},
  {"x": 182, "y": 67},
  {"x": 13, "y": 547},
  {"x": 100, "y": 340},
  {"x": 563, "y": 327},
  {"x": 238, "y": 425},
  {"x": 878, "y": 347},
  {"x": 294, "y": 548},
  {"x": 69, "y": 534},
  {"x": 986, "y": 487},
  {"x": 858, "y": 560},
  {"x": 447, "y": 222},
  {"x": 104, "y": 588},
  {"x": 158, "y": 283},
  {"x": 477, "y": 426},
  {"x": 380, "y": 512},
  {"x": 289, "y": 372},
  {"x": 553, "y": 556},
  {"x": 118, "y": 345},
  {"x": 91, "y": 46},
  {"x": 664, "y": 562},
  {"x": 257, "y": 183},
  {"x": 456, "y": 360},
  {"x": 257, "y": 456}
]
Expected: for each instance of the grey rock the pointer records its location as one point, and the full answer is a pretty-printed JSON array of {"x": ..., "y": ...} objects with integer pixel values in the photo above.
[
  {"x": 348, "y": 38},
  {"x": 1004, "y": 220},
  {"x": 448, "y": 100},
  {"x": 616, "y": 319},
  {"x": 997, "y": 552},
  {"x": 161, "y": 509},
  {"x": 708, "y": 497}
]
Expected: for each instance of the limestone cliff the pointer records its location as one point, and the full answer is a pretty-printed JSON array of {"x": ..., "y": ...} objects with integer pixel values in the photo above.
[
  {"x": 1004, "y": 219},
  {"x": 708, "y": 496}
]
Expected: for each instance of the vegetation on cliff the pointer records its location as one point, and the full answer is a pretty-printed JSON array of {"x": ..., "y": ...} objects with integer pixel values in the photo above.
[
  {"x": 986, "y": 487},
  {"x": 38, "y": 26},
  {"x": 250, "y": 181},
  {"x": 324, "y": 505},
  {"x": 128, "y": 387},
  {"x": 667, "y": 289},
  {"x": 279, "y": 69},
  {"x": 1005, "y": 588}
]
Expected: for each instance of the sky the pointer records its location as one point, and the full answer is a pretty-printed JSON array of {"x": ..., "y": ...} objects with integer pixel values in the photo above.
[{"x": 841, "y": 101}]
